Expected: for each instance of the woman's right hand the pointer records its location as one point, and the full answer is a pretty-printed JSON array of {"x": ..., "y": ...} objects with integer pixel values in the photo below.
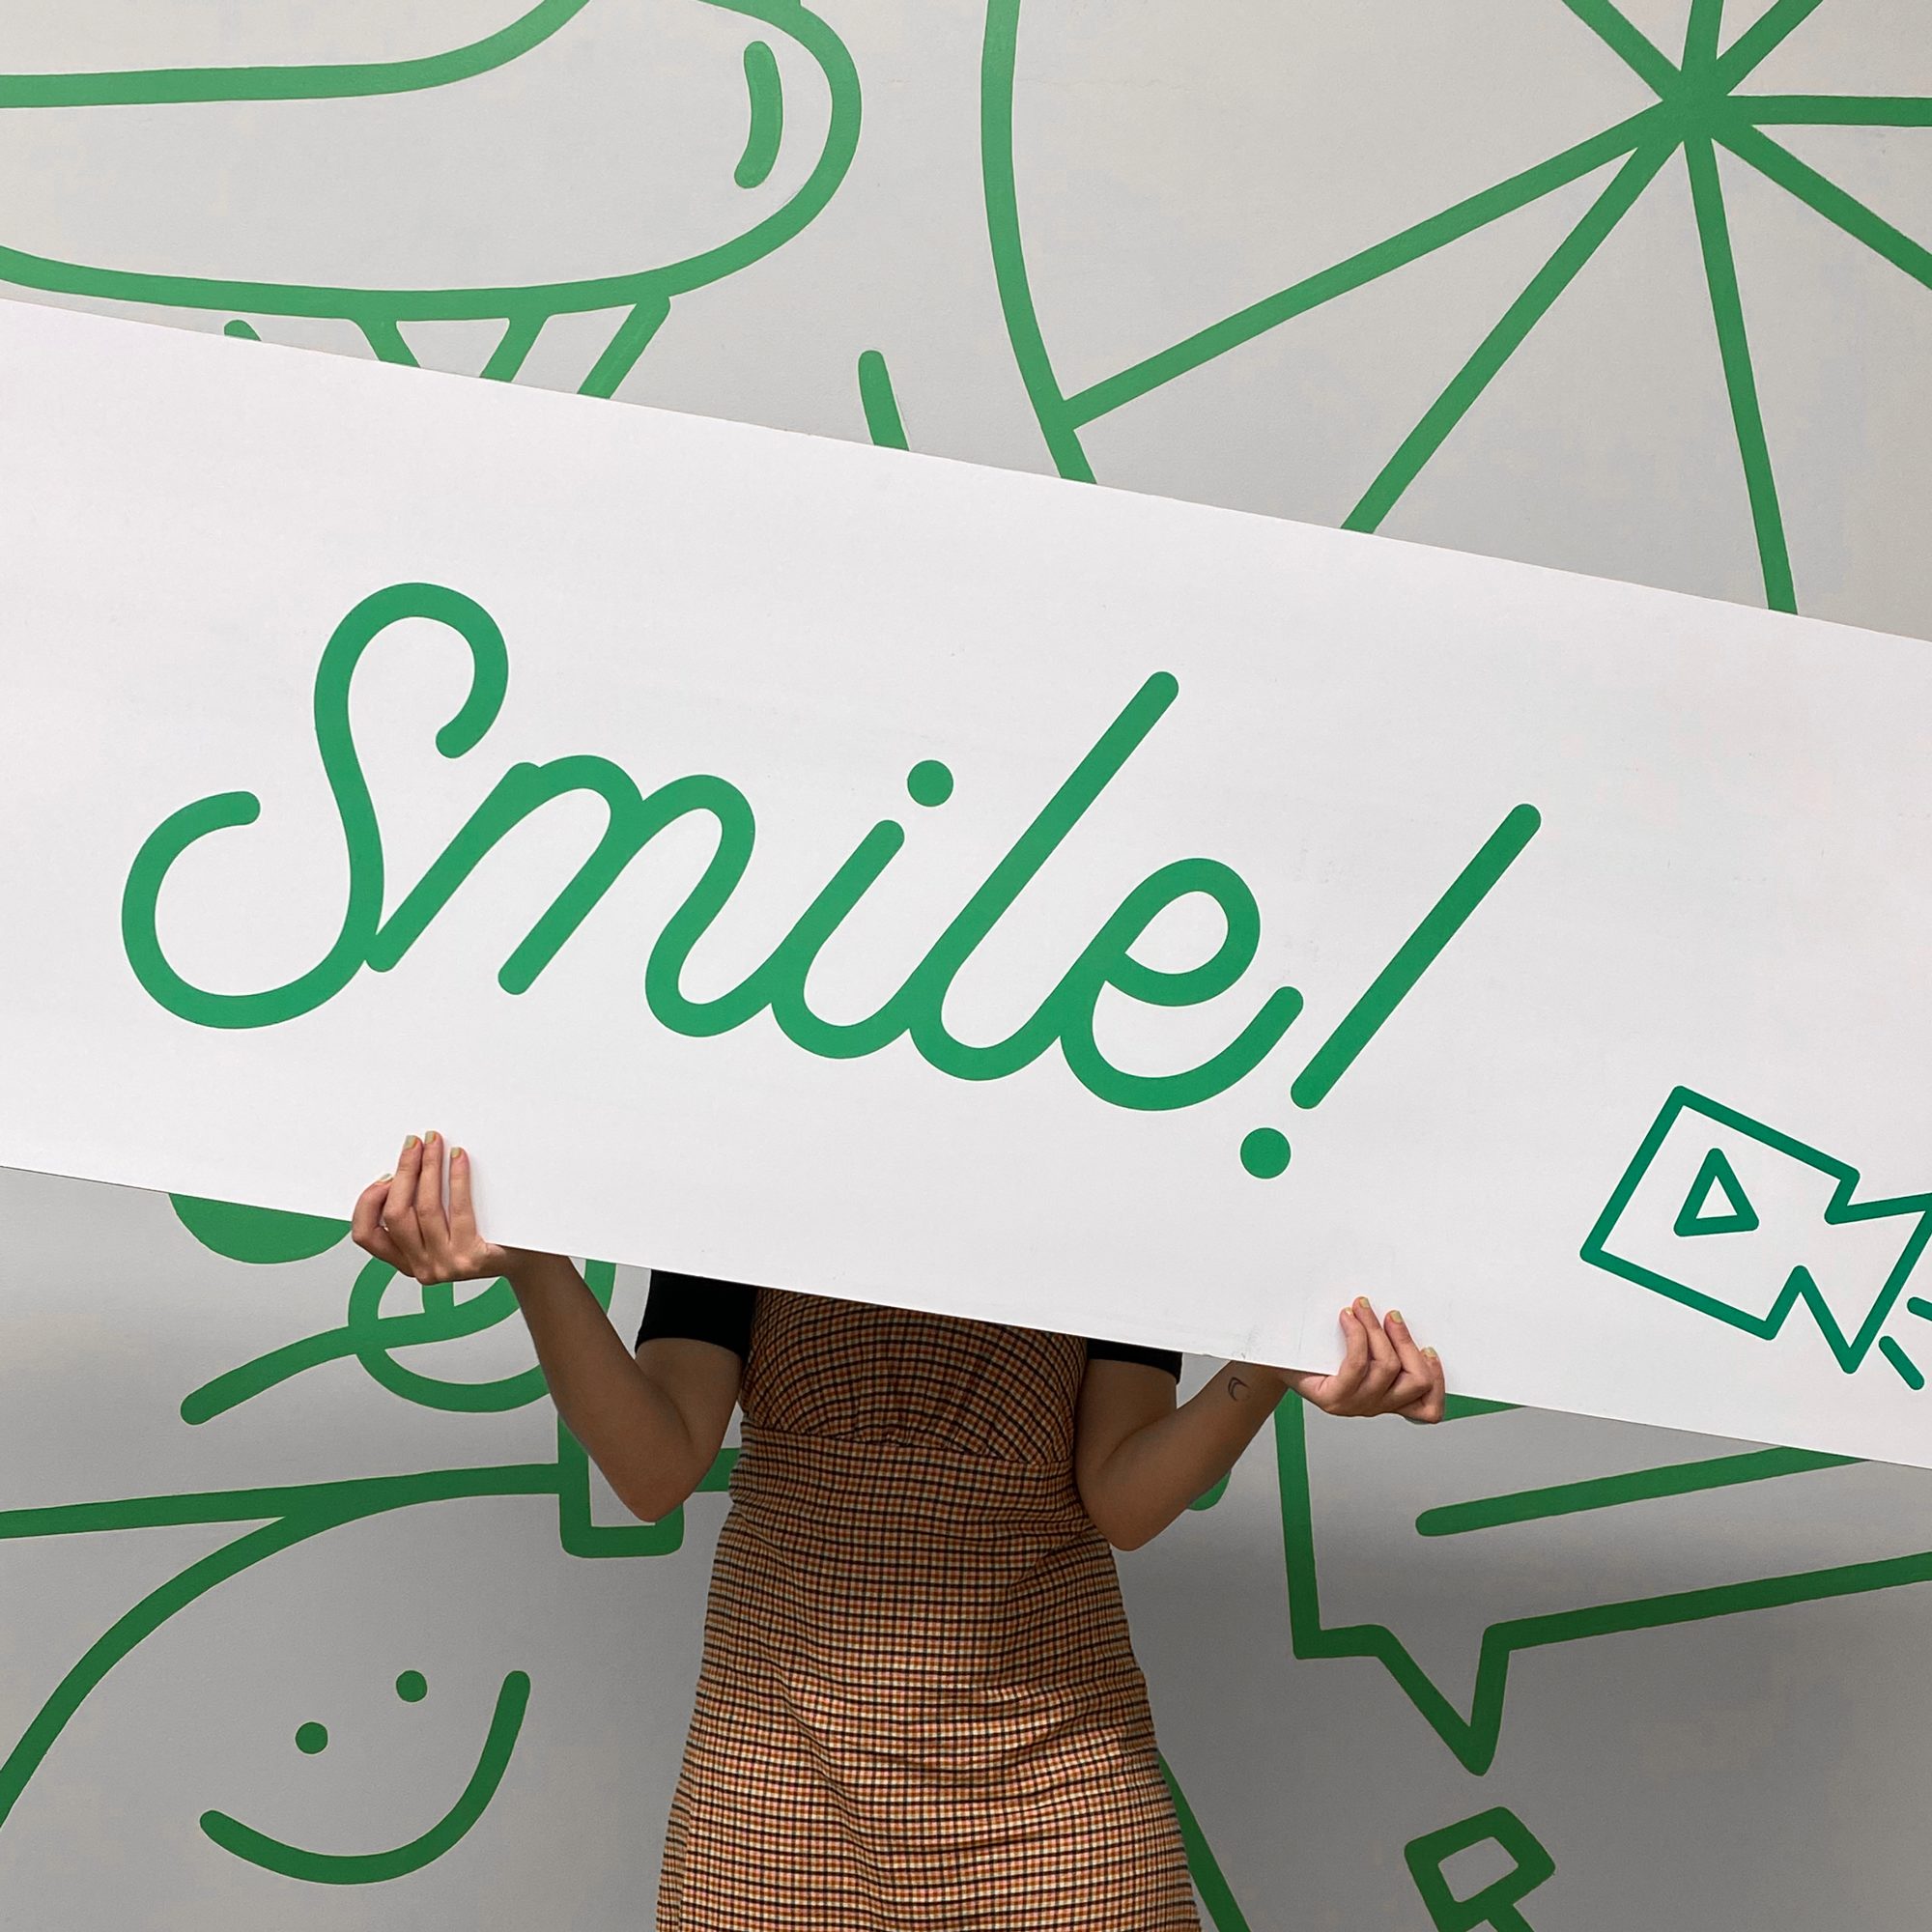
[
  {"x": 653, "y": 1430},
  {"x": 401, "y": 1219}
]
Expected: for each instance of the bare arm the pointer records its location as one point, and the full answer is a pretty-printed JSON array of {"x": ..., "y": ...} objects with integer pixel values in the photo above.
[
  {"x": 1140, "y": 1458},
  {"x": 652, "y": 1422}
]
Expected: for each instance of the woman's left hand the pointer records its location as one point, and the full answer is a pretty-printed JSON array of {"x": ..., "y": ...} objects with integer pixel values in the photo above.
[{"x": 1382, "y": 1372}]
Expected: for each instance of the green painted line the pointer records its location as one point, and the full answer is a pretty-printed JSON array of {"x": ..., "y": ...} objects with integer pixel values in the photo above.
[
  {"x": 1836, "y": 110},
  {"x": 622, "y": 353},
  {"x": 1498, "y": 852},
  {"x": 235, "y": 1387},
  {"x": 883, "y": 422},
  {"x": 1461, "y": 1408},
  {"x": 1627, "y": 40},
  {"x": 766, "y": 129},
  {"x": 130, "y": 1628},
  {"x": 1637, "y": 1486},
  {"x": 518, "y": 338},
  {"x": 1760, "y": 41},
  {"x": 1826, "y": 198},
  {"x": 1058, "y": 423},
  {"x": 1700, "y": 36},
  {"x": 1721, "y": 275},
  {"x": 345, "y": 1498},
  {"x": 1203, "y": 1866},
  {"x": 328, "y": 82},
  {"x": 385, "y": 339},
  {"x": 366, "y": 1331},
  {"x": 1909, "y": 1371},
  {"x": 1411, "y": 244},
  {"x": 1506, "y": 337}
]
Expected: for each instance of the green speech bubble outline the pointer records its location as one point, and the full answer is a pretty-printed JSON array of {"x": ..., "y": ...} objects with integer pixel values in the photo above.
[{"x": 1474, "y": 1734}]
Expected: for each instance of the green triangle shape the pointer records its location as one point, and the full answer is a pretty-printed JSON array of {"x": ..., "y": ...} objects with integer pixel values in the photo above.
[{"x": 1697, "y": 1217}]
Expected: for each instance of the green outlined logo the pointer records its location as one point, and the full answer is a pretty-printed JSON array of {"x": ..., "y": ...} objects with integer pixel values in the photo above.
[{"x": 1745, "y": 1223}]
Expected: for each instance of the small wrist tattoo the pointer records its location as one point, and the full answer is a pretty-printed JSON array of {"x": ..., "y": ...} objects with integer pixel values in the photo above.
[{"x": 1238, "y": 1389}]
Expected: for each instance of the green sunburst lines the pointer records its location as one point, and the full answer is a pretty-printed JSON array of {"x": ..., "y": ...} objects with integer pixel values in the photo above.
[{"x": 1698, "y": 109}]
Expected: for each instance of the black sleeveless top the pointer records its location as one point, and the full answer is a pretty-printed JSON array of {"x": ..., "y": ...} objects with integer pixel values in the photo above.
[{"x": 696, "y": 1308}]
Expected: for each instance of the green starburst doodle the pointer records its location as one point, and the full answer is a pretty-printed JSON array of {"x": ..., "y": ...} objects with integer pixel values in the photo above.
[{"x": 1698, "y": 109}]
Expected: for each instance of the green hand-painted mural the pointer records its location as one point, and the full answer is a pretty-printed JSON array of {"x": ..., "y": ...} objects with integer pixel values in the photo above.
[
  {"x": 1495, "y": 1904},
  {"x": 646, "y": 289},
  {"x": 292, "y": 1514},
  {"x": 391, "y": 197},
  {"x": 1700, "y": 107},
  {"x": 373, "y": 1868}
]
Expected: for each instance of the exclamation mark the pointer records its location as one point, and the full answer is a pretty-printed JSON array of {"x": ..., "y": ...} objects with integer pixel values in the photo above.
[{"x": 1265, "y": 1151}]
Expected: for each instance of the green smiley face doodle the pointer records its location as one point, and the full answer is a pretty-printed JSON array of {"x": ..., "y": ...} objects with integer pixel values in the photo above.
[{"x": 276, "y": 1855}]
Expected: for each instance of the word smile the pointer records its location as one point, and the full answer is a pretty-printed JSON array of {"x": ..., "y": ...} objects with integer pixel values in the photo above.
[{"x": 1065, "y": 1017}]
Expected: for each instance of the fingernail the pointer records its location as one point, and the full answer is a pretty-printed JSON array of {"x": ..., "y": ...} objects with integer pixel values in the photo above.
[
  {"x": 430, "y": 1138},
  {"x": 409, "y": 1142},
  {"x": 1430, "y": 1353},
  {"x": 1361, "y": 1301},
  {"x": 1393, "y": 1315},
  {"x": 390, "y": 1176},
  {"x": 458, "y": 1153}
]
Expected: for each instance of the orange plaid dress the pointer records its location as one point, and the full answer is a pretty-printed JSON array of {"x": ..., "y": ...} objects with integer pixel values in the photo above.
[{"x": 919, "y": 1709}]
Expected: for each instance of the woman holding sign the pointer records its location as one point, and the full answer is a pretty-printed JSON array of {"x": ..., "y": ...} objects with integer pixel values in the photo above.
[{"x": 919, "y": 1707}]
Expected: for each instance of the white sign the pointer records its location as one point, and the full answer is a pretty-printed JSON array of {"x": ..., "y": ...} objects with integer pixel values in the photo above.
[{"x": 855, "y": 872}]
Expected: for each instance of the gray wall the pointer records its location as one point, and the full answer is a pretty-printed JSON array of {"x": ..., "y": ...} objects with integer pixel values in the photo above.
[{"x": 1319, "y": 259}]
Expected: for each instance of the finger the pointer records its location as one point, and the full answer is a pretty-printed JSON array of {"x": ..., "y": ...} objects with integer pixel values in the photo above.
[
  {"x": 1338, "y": 1392},
  {"x": 1434, "y": 1403},
  {"x": 463, "y": 1240},
  {"x": 399, "y": 1208},
  {"x": 1404, "y": 1345},
  {"x": 430, "y": 1217},
  {"x": 1384, "y": 1364},
  {"x": 1413, "y": 1379},
  {"x": 365, "y": 1226}
]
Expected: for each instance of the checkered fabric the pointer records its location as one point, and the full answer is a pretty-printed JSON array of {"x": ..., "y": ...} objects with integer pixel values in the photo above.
[{"x": 919, "y": 1709}]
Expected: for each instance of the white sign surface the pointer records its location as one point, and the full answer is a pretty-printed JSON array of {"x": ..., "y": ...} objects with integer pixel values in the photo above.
[{"x": 902, "y": 880}]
